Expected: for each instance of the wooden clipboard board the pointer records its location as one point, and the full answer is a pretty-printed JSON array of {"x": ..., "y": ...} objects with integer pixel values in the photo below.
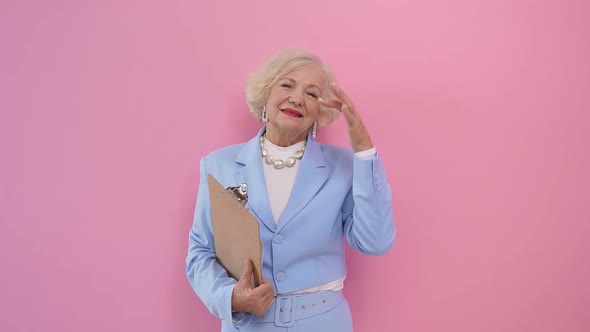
[{"x": 236, "y": 233}]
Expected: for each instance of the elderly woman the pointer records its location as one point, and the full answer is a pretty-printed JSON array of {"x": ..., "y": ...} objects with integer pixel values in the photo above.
[{"x": 306, "y": 196}]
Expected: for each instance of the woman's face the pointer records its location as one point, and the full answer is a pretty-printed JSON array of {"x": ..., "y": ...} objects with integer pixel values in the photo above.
[{"x": 292, "y": 105}]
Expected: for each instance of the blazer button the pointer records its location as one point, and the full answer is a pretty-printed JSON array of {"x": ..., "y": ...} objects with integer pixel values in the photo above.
[
  {"x": 278, "y": 239},
  {"x": 281, "y": 276}
]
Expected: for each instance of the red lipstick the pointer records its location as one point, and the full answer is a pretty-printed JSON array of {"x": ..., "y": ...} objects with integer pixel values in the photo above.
[{"x": 292, "y": 113}]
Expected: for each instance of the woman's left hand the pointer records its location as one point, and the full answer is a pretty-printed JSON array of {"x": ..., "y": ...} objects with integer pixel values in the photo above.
[{"x": 360, "y": 140}]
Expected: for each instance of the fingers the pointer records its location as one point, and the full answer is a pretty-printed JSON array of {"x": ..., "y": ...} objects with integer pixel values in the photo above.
[
  {"x": 264, "y": 289},
  {"x": 340, "y": 94},
  {"x": 255, "y": 300},
  {"x": 331, "y": 103},
  {"x": 247, "y": 274},
  {"x": 265, "y": 293},
  {"x": 348, "y": 114},
  {"x": 264, "y": 301},
  {"x": 263, "y": 309},
  {"x": 266, "y": 304},
  {"x": 360, "y": 139},
  {"x": 342, "y": 103}
]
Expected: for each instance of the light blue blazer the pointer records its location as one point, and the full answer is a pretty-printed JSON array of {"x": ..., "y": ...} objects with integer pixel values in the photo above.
[{"x": 336, "y": 195}]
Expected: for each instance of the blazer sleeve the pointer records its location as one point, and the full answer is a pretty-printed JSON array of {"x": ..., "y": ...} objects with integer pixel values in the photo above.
[
  {"x": 367, "y": 209},
  {"x": 207, "y": 277}
]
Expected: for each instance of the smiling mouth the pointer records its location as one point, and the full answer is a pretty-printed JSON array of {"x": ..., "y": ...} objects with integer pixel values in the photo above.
[{"x": 292, "y": 113}]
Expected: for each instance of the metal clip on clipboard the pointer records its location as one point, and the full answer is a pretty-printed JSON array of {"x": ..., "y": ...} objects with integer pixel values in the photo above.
[{"x": 240, "y": 193}]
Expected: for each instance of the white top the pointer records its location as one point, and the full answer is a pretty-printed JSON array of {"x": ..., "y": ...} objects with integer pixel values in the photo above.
[{"x": 279, "y": 184}]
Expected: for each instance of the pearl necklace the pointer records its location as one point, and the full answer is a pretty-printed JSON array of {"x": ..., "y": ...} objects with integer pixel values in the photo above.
[{"x": 280, "y": 163}]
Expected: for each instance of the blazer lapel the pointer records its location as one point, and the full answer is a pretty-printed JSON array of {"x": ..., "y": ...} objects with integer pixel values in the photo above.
[
  {"x": 253, "y": 175},
  {"x": 311, "y": 176}
]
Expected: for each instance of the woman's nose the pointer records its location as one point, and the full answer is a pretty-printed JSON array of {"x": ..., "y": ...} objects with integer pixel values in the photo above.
[{"x": 296, "y": 98}]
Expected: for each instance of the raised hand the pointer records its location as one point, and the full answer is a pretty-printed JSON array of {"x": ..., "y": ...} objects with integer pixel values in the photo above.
[
  {"x": 360, "y": 139},
  {"x": 254, "y": 300}
]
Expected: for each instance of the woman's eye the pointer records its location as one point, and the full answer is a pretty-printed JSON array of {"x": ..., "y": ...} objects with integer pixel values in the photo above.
[
  {"x": 312, "y": 94},
  {"x": 285, "y": 85}
]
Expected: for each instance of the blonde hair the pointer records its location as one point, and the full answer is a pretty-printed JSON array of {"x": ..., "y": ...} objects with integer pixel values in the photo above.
[{"x": 282, "y": 63}]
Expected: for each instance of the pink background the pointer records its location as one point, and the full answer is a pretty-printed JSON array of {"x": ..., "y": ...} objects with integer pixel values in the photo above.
[{"x": 479, "y": 109}]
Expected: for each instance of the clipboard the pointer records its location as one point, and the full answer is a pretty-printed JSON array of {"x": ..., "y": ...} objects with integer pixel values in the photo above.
[{"x": 236, "y": 233}]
